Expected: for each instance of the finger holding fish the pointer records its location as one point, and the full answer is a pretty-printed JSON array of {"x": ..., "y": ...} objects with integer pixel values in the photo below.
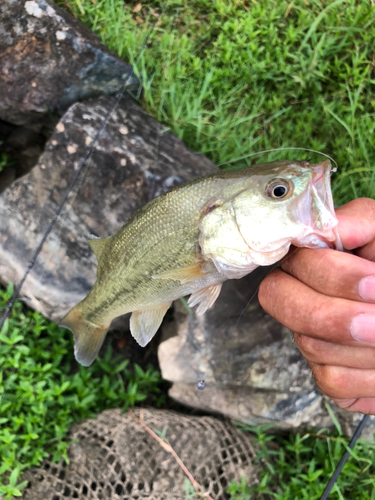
[
  {"x": 357, "y": 405},
  {"x": 321, "y": 352},
  {"x": 313, "y": 284},
  {"x": 340, "y": 383},
  {"x": 336, "y": 274},
  {"x": 337, "y": 292},
  {"x": 357, "y": 228},
  {"x": 306, "y": 311}
]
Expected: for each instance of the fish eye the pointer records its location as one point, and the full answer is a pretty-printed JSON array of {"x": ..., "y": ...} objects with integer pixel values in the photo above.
[{"x": 279, "y": 189}]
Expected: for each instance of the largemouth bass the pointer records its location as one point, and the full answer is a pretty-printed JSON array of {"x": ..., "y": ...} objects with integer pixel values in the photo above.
[{"x": 191, "y": 239}]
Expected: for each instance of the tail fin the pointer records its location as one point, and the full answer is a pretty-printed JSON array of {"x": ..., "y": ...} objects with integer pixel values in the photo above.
[{"x": 88, "y": 338}]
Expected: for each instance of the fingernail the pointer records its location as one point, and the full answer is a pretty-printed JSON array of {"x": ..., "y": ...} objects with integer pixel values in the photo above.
[
  {"x": 366, "y": 288},
  {"x": 363, "y": 328}
]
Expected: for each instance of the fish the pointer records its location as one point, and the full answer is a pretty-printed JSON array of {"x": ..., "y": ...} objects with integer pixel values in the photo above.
[{"x": 191, "y": 239}]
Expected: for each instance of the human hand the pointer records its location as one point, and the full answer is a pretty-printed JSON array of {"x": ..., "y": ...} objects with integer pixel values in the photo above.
[{"x": 327, "y": 298}]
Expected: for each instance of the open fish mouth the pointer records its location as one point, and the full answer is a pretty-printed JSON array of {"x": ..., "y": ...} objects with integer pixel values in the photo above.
[
  {"x": 322, "y": 196},
  {"x": 325, "y": 218},
  {"x": 319, "y": 215}
]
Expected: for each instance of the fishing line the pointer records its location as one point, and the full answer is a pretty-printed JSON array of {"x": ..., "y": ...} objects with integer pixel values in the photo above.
[
  {"x": 281, "y": 149},
  {"x": 252, "y": 297},
  {"x": 82, "y": 168}
]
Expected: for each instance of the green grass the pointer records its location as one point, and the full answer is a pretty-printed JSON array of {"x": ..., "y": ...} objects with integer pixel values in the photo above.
[
  {"x": 232, "y": 77},
  {"x": 298, "y": 466},
  {"x": 43, "y": 391}
]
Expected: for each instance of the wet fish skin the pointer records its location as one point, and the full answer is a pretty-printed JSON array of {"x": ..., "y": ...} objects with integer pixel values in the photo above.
[{"x": 189, "y": 241}]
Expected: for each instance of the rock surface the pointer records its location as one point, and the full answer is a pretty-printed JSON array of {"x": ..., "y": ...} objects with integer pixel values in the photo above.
[
  {"x": 48, "y": 61},
  {"x": 252, "y": 369},
  {"x": 133, "y": 161}
]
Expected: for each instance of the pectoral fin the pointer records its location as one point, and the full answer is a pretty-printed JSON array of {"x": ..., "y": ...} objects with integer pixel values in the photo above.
[
  {"x": 145, "y": 323},
  {"x": 183, "y": 274},
  {"x": 205, "y": 298}
]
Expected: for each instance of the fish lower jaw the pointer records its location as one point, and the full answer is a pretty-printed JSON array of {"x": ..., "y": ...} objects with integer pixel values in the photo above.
[
  {"x": 238, "y": 269},
  {"x": 328, "y": 239},
  {"x": 232, "y": 270}
]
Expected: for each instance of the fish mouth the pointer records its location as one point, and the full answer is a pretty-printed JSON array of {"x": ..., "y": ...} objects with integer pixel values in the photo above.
[
  {"x": 321, "y": 187},
  {"x": 319, "y": 214}
]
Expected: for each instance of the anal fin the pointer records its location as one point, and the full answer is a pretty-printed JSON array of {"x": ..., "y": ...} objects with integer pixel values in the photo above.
[
  {"x": 205, "y": 297},
  {"x": 183, "y": 274},
  {"x": 146, "y": 322}
]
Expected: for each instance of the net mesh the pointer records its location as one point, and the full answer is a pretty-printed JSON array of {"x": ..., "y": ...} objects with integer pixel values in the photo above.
[{"x": 114, "y": 457}]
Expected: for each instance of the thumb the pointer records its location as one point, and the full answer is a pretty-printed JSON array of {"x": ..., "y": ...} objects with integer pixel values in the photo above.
[{"x": 357, "y": 227}]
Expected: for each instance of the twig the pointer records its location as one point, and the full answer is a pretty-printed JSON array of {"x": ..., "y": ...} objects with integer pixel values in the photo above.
[{"x": 167, "y": 447}]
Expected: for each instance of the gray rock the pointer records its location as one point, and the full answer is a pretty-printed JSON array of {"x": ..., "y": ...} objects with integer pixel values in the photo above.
[
  {"x": 7, "y": 176},
  {"x": 48, "y": 61},
  {"x": 134, "y": 160},
  {"x": 252, "y": 369}
]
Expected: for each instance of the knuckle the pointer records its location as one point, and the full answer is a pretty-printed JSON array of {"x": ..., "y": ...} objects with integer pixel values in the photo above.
[
  {"x": 324, "y": 317},
  {"x": 345, "y": 403},
  {"x": 267, "y": 291},
  {"x": 309, "y": 347},
  {"x": 305, "y": 261},
  {"x": 332, "y": 381},
  {"x": 290, "y": 261},
  {"x": 328, "y": 260},
  {"x": 327, "y": 265}
]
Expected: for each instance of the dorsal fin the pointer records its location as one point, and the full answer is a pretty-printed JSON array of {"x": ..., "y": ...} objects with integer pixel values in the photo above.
[{"x": 97, "y": 244}]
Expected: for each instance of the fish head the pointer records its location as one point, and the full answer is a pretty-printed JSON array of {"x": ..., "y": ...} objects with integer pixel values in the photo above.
[
  {"x": 283, "y": 203},
  {"x": 291, "y": 204}
]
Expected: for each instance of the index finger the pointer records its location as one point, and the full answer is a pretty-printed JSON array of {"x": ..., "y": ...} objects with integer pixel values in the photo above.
[
  {"x": 306, "y": 311},
  {"x": 337, "y": 274}
]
